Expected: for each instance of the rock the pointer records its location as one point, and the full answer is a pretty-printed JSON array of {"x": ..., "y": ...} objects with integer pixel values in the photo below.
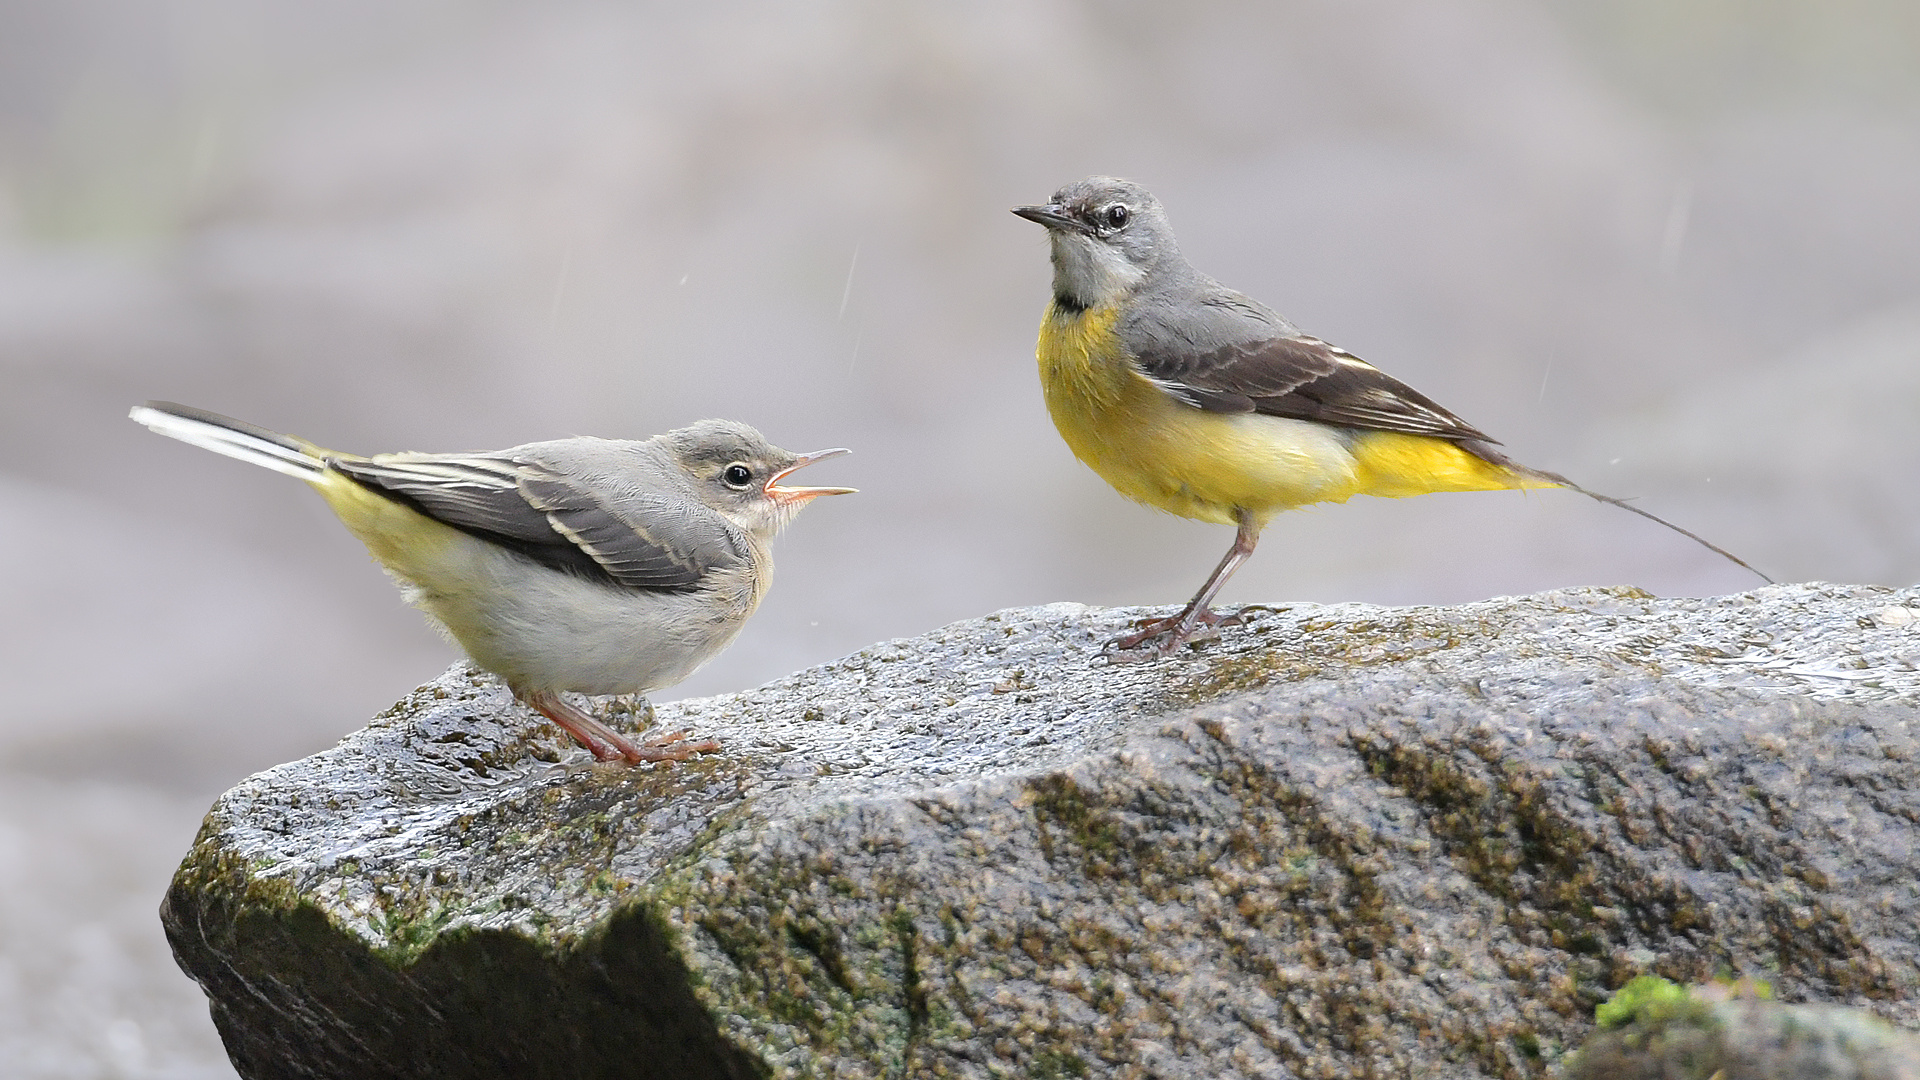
[
  {"x": 1732, "y": 1033},
  {"x": 1339, "y": 841}
]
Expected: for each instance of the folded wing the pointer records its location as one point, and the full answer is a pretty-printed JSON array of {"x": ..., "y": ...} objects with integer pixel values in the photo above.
[
  {"x": 601, "y": 530},
  {"x": 1229, "y": 354}
]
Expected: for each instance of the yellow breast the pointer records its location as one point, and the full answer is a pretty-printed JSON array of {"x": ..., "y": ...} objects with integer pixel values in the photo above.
[{"x": 1160, "y": 451}]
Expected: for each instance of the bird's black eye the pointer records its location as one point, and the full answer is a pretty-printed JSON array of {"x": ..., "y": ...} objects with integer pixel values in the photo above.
[
  {"x": 737, "y": 476},
  {"x": 1116, "y": 216}
]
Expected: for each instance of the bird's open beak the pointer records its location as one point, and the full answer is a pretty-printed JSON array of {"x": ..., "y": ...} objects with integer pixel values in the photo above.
[
  {"x": 1052, "y": 216},
  {"x": 802, "y": 494}
]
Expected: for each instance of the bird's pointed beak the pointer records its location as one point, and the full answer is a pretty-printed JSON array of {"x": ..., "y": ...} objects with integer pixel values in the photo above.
[
  {"x": 1053, "y": 216},
  {"x": 803, "y": 494}
]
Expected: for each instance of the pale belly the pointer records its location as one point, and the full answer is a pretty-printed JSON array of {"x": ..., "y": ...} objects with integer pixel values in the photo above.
[{"x": 540, "y": 629}]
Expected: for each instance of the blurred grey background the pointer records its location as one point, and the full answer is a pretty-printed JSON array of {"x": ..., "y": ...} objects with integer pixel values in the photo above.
[{"x": 1668, "y": 247}]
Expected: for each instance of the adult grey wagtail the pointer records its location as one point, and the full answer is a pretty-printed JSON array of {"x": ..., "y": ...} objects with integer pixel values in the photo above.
[
  {"x": 1195, "y": 399},
  {"x": 598, "y": 566}
]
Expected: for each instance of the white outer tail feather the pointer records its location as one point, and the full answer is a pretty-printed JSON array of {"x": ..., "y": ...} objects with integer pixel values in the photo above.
[{"x": 231, "y": 442}]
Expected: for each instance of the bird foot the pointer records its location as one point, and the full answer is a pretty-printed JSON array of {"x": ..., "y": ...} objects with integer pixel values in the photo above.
[
  {"x": 606, "y": 744},
  {"x": 673, "y": 746},
  {"x": 1162, "y": 637}
]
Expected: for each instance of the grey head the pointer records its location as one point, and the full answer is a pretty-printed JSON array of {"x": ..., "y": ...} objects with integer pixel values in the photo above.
[
  {"x": 1109, "y": 236},
  {"x": 736, "y": 471}
]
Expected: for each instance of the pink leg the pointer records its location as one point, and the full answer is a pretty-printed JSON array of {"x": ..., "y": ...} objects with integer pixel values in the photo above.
[
  {"x": 1157, "y": 638},
  {"x": 607, "y": 744}
]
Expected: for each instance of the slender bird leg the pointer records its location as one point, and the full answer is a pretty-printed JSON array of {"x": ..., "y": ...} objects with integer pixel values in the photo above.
[
  {"x": 1168, "y": 634},
  {"x": 607, "y": 744}
]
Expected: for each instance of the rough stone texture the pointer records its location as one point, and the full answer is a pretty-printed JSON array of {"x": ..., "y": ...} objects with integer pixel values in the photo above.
[{"x": 1342, "y": 841}]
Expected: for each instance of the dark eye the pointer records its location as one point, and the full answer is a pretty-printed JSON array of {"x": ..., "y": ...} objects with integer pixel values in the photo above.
[
  {"x": 1117, "y": 216},
  {"x": 737, "y": 476}
]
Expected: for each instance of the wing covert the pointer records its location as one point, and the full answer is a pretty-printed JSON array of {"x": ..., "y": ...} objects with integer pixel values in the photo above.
[
  {"x": 646, "y": 541},
  {"x": 1229, "y": 354},
  {"x": 619, "y": 536}
]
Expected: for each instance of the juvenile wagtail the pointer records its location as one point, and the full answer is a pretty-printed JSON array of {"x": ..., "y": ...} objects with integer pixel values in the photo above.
[
  {"x": 1192, "y": 398},
  {"x": 597, "y": 566}
]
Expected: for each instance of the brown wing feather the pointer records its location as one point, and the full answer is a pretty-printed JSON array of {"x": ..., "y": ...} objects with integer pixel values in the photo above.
[
  {"x": 1218, "y": 350},
  {"x": 1307, "y": 379}
]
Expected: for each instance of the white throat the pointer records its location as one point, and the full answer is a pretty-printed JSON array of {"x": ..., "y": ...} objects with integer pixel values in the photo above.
[{"x": 1090, "y": 272}]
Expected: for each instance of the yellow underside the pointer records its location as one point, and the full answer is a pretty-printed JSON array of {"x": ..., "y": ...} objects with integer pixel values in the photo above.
[
  {"x": 1157, "y": 450},
  {"x": 402, "y": 540}
]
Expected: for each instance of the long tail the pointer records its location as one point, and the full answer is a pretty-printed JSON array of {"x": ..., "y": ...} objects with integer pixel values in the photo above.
[
  {"x": 234, "y": 438},
  {"x": 1483, "y": 450}
]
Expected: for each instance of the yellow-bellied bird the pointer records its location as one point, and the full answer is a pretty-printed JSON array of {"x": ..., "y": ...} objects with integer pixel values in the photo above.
[{"x": 1190, "y": 397}]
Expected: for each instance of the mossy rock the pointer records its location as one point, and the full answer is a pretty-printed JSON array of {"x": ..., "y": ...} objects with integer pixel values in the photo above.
[
  {"x": 1338, "y": 841},
  {"x": 1656, "y": 1030}
]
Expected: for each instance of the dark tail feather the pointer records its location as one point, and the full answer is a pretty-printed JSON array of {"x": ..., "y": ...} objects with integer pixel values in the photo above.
[
  {"x": 234, "y": 438},
  {"x": 1483, "y": 450},
  {"x": 1625, "y": 505}
]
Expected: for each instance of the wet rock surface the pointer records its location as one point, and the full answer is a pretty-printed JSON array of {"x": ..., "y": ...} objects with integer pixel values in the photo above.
[{"x": 1340, "y": 841}]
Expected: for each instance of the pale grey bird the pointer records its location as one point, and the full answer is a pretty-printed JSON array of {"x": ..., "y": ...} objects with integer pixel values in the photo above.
[{"x": 598, "y": 566}]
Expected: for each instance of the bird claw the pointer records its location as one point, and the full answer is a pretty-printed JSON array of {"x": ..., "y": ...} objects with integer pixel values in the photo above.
[
  {"x": 606, "y": 744},
  {"x": 672, "y": 746},
  {"x": 1147, "y": 630},
  {"x": 1186, "y": 628}
]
